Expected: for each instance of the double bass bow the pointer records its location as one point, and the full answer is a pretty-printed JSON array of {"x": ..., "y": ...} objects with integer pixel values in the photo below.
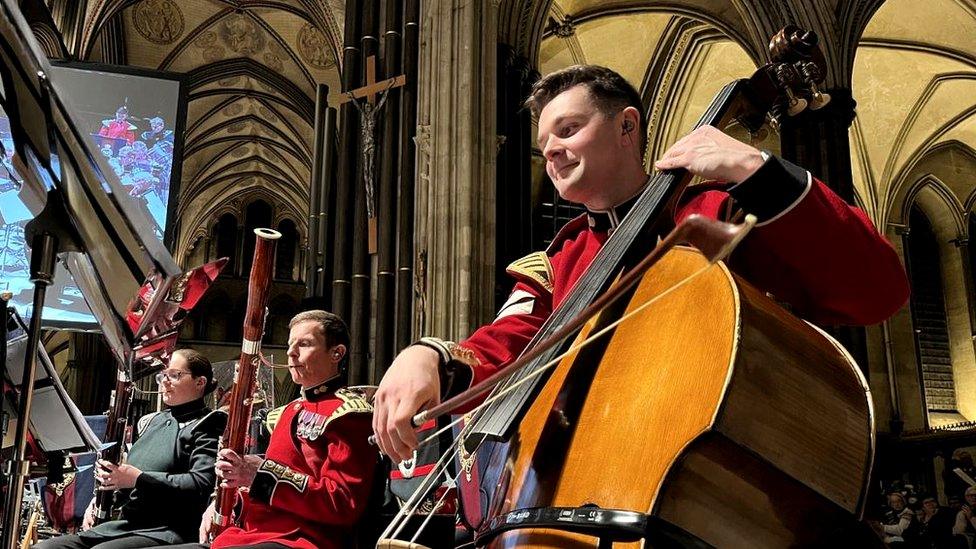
[{"x": 665, "y": 427}]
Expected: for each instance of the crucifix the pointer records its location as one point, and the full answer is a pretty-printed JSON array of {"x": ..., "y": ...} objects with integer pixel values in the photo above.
[{"x": 368, "y": 111}]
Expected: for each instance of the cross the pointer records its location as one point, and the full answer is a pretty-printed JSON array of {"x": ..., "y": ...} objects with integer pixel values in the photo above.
[{"x": 367, "y": 137}]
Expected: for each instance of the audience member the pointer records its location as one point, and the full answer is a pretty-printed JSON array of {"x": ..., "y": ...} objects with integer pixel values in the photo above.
[{"x": 897, "y": 519}]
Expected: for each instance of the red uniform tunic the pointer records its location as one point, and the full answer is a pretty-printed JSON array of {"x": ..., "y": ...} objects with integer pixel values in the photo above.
[
  {"x": 317, "y": 476},
  {"x": 118, "y": 129},
  {"x": 810, "y": 249}
]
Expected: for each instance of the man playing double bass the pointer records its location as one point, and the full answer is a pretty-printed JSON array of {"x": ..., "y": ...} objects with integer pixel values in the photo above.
[
  {"x": 313, "y": 484},
  {"x": 810, "y": 249}
]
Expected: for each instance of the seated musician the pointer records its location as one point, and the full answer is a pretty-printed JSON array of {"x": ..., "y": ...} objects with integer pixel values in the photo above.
[
  {"x": 168, "y": 475},
  {"x": 314, "y": 483},
  {"x": 810, "y": 249}
]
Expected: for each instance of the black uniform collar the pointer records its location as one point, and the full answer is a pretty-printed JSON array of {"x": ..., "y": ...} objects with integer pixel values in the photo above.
[
  {"x": 187, "y": 410},
  {"x": 608, "y": 220},
  {"x": 321, "y": 390}
]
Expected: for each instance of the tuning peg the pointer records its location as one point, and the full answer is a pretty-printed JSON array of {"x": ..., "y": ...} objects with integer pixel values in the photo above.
[
  {"x": 795, "y": 105},
  {"x": 758, "y": 136},
  {"x": 818, "y": 99}
]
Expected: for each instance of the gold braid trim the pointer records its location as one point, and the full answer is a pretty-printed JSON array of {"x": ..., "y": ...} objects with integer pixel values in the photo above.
[
  {"x": 273, "y": 416},
  {"x": 284, "y": 474},
  {"x": 463, "y": 354},
  {"x": 535, "y": 267},
  {"x": 353, "y": 402}
]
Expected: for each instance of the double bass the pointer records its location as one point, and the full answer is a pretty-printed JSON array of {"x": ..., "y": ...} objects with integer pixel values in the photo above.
[{"x": 712, "y": 417}]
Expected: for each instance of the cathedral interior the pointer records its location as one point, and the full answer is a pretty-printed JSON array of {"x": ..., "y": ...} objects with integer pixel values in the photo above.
[{"x": 461, "y": 189}]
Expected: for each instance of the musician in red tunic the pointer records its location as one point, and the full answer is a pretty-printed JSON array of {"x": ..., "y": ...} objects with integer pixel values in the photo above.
[
  {"x": 119, "y": 127},
  {"x": 313, "y": 484},
  {"x": 810, "y": 249}
]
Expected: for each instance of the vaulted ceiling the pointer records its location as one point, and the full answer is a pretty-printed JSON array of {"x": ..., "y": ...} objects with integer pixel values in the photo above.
[{"x": 915, "y": 83}]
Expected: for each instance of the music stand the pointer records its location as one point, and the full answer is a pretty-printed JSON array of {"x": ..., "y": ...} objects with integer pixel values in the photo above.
[
  {"x": 55, "y": 421},
  {"x": 103, "y": 239}
]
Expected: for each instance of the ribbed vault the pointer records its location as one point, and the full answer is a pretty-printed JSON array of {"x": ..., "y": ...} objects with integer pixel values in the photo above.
[{"x": 914, "y": 80}]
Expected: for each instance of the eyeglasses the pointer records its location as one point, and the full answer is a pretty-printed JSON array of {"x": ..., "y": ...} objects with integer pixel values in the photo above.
[{"x": 172, "y": 375}]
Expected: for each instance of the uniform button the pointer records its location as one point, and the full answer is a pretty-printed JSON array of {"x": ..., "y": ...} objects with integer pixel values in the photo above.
[{"x": 168, "y": 422}]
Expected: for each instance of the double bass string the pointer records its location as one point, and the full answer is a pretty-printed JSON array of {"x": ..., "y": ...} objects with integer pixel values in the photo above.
[
  {"x": 437, "y": 505},
  {"x": 684, "y": 232},
  {"x": 399, "y": 522},
  {"x": 513, "y": 385}
]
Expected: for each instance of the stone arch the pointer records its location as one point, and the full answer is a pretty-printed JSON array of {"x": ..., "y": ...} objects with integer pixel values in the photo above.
[
  {"x": 258, "y": 213},
  {"x": 947, "y": 217},
  {"x": 225, "y": 236},
  {"x": 211, "y": 318},
  {"x": 50, "y": 40},
  {"x": 232, "y": 196},
  {"x": 522, "y": 23}
]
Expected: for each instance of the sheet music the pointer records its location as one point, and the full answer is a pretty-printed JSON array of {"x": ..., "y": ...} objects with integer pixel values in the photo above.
[{"x": 56, "y": 422}]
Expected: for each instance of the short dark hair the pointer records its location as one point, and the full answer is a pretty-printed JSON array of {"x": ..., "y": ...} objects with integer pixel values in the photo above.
[
  {"x": 335, "y": 330},
  {"x": 199, "y": 365},
  {"x": 611, "y": 92}
]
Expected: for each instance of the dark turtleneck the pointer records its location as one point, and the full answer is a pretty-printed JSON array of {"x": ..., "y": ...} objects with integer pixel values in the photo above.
[{"x": 187, "y": 410}]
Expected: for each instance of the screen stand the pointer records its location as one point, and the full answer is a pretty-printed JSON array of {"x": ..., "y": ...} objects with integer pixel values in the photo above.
[{"x": 48, "y": 236}]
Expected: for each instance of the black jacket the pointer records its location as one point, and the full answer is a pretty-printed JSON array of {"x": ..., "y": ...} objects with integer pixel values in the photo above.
[{"x": 175, "y": 451}]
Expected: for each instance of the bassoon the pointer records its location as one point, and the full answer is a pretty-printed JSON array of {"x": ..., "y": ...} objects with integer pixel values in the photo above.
[
  {"x": 118, "y": 417},
  {"x": 246, "y": 370}
]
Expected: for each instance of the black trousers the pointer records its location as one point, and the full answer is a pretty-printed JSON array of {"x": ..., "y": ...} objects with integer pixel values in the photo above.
[
  {"x": 266, "y": 545},
  {"x": 74, "y": 541}
]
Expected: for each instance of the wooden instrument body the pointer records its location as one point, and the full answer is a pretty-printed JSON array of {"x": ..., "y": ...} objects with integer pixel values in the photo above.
[
  {"x": 713, "y": 409},
  {"x": 246, "y": 369}
]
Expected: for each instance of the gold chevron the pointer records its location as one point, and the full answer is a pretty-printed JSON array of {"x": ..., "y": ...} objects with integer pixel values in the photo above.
[{"x": 534, "y": 266}]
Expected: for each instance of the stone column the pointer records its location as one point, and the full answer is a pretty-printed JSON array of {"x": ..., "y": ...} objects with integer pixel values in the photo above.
[
  {"x": 514, "y": 163},
  {"x": 819, "y": 142},
  {"x": 68, "y": 16},
  {"x": 955, "y": 266},
  {"x": 904, "y": 346},
  {"x": 455, "y": 192}
]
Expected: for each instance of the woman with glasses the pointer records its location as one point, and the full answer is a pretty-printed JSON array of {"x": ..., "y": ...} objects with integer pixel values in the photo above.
[{"x": 168, "y": 475}]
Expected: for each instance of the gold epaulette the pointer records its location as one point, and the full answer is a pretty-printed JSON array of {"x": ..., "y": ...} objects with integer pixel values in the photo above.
[
  {"x": 535, "y": 267},
  {"x": 274, "y": 416},
  {"x": 353, "y": 402}
]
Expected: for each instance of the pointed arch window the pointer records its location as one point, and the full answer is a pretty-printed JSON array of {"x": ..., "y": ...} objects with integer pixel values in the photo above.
[
  {"x": 256, "y": 215},
  {"x": 211, "y": 319},
  {"x": 286, "y": 251},
  {"x": 280, "y": 311},
  {"x": 929, "y": 315},
  {"x": 225, "y": 235}
]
